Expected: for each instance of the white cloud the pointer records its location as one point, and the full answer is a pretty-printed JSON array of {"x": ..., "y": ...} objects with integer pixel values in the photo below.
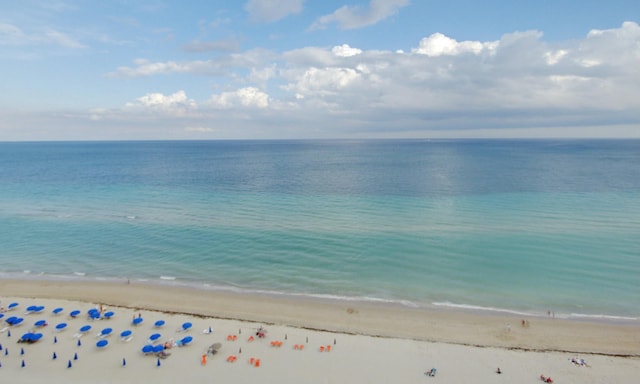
[
  {"x": 249, "y": 97},
  {"x": 147, "y": 68},
  {"x": 272, "y": 10},
  {"x": 218, "y": 67},
  {"x": 438, "y": 44},
  {"x": 520, "y": 83},
  {"x": 554, "y": 57},
  {"x": 517, "y": 81},
  {"x": 357, "y": 17},
  {"x": 317, "y": 82},
  {"x": 345, "y": 50},
  {"x": 175, "y": 104}
]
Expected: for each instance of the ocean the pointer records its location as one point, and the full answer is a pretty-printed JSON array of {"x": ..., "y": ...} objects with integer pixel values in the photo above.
[{"x": 517, "y": 226}]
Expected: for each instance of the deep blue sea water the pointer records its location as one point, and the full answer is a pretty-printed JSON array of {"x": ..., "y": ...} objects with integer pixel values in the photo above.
[{"x": 517, "y": 225}]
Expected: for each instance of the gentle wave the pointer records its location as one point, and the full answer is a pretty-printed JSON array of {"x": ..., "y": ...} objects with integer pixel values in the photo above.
[
  {"x": 602, "y": 316},
  {"x": 481, "y": 308},
  {"x": 174, "y": 281}
]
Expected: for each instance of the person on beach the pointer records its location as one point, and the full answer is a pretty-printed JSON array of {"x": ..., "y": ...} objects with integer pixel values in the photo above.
[{"x": 546, "y": 379}]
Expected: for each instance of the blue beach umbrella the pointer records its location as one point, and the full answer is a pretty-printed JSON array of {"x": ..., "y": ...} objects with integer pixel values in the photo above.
[
  {"x": 32, "y": 308},
  {"x": 39, "y": 309},
  {"x": 186, "y": 340},
  {"x": 109, "y": 314},
  {"x": 85, "y": 328},
  {"x": 153, "y": 338},
  {"x": 75, "y": 313},
  {"x": 125, "y": 333},
  {"x": 147, "y": 349},
  {"x": 35, "y": 337},
  {"x": 105, "y": 332},
  {"x": 57, "y": 311},
  {"x": 10, "y": 320},
  {"x": 102, "y": 343},
  {"x": 17, "y": 321},
  {"x": 186, "y": 326},
  {"x": 26, "y": 337},
  {"x": 61, "y": 326},
  {"x": 137, "y": 321},
  {"x": 158, "y": 348},
  {"x": 1, "y": 315},
  {"x": 40, "y": 323},
  {"x": 158, "y": 323},
  {"x": 12, "y": 306}
]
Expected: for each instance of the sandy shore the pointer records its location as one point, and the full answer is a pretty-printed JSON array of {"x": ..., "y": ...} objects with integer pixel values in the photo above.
[{"x": 369, "y": 343}]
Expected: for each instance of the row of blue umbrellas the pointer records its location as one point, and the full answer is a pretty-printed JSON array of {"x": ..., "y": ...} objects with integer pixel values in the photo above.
[
  {"x": 38, "y": 309},
  {"x": 92, "y": 313}
]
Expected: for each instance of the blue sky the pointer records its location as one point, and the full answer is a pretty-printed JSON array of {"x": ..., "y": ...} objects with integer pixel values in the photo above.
[{"x": 274, "y": 69}]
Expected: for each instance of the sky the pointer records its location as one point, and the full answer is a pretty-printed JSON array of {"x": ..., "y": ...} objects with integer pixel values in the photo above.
[{"x": 318, "y": 69}]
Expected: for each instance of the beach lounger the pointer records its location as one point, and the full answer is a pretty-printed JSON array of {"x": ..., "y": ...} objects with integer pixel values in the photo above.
[{"x": 106, "y": 332}]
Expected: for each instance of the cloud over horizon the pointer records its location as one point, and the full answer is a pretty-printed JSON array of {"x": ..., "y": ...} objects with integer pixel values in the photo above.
[
  {"x": 441, "y": 83},
  {"x": 211, "y": 82}
]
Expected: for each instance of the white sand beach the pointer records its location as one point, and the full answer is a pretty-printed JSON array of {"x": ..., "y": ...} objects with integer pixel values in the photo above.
[{"x": 307, "y": 341}]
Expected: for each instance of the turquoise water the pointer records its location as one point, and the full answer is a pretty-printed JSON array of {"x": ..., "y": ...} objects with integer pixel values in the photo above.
[{"x": 521, "y": 226}]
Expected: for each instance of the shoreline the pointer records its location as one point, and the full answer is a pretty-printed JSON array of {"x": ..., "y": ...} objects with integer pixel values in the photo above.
[
  {"x": 165, "y": 282},
  {"x": 381, "y": 320}
]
